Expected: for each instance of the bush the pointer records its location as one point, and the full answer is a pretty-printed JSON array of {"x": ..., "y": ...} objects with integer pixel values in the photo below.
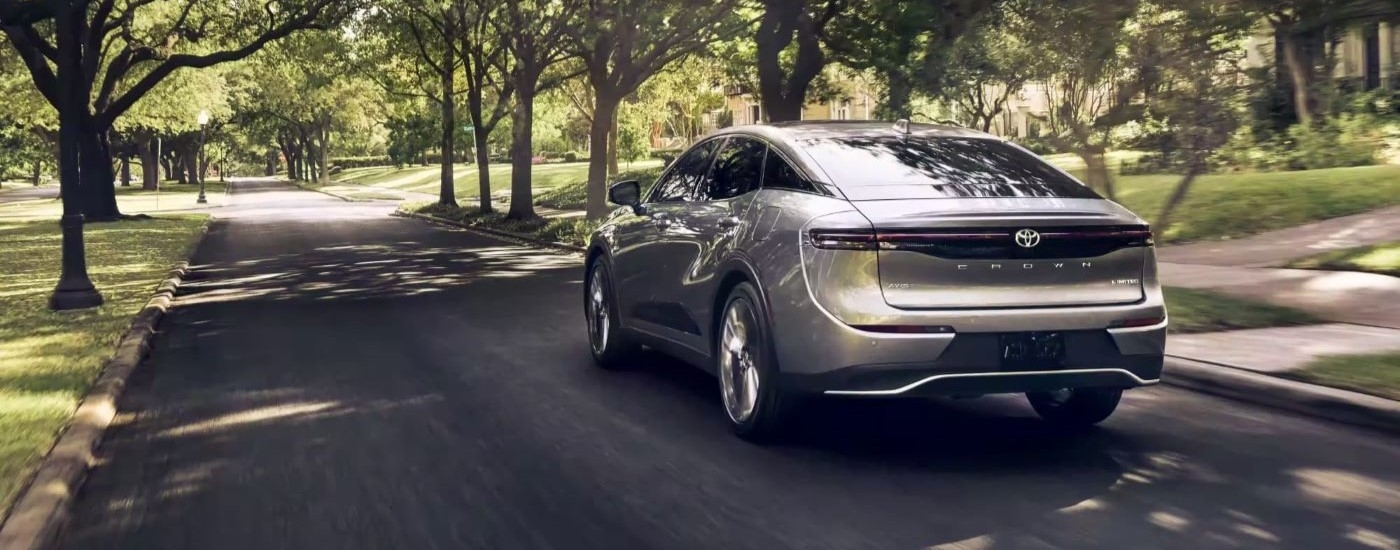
[
  {"x": 1345, "y": 142},
  {"x": 666, "y": 155},
  {"x": 570, "y": 156},
  {"x": 1039, "y": 146},
  {"x": 361, "y": 162}
]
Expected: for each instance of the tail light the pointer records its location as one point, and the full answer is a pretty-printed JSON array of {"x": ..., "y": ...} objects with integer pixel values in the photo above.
[{"x": 843, "y": 239}]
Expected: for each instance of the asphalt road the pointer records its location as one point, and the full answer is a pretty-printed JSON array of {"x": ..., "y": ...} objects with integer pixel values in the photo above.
[{"x": 335, "y": 378}]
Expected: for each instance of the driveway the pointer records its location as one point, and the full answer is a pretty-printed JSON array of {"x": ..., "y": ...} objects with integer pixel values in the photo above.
[{"x": 335, "y": 378}]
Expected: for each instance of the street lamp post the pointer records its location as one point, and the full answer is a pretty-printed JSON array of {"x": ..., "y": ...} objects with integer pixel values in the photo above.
[{"x": 203, "y": 125}]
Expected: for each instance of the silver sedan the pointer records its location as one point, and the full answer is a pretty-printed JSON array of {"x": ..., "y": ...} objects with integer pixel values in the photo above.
[{"x": 869, "y": 260}]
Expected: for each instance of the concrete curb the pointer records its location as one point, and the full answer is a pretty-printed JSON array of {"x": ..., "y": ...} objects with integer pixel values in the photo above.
[
  {"x": 527, "y": 239},
  {"x": 42, "y": 507},
  {"x": 1333, "y": 404}
]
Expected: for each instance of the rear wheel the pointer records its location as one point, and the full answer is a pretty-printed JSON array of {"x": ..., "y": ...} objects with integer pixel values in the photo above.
[
  {"x": 748, "y": 376},
  {"x": 611, "y": 349},
  {"x": 1075, "y": 407}
]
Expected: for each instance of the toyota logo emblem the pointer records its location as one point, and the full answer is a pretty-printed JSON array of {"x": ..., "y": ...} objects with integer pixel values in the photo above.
[{"x": 1027, "y": 238}]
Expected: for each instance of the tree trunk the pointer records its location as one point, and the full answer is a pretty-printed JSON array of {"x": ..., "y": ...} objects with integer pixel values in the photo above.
[
  {"x": 1178, "y": 196},
  {"x": 483, "y": 168},
  {"x": 150, "y": 164},
  {"x": 325, "y": 154},
  {"x": 612, "y": 141},
  {"x": 521, "y": 152},
  {"x": 126, "y": 170},
  {"x": 447, "y": 193},
  {"x": 784, "y": 93},
  {"x": 99, "y": 179},
  {"x": 192, "y": 168},
  {"x": 1096, "y": 171},
  {"x": 897, "y": 103},
  {"x": 604, "y": 112},
  {"x": 270, "y": 163},
  {"x": 38, "y": 175},
  {"x": 1300, "y": 73}
]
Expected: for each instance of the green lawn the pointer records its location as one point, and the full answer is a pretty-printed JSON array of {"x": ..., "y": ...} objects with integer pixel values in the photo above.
[
  {"x": 131, "y": 200},
  {"x": 48, "y": 360},
  {"x": 1203, "y": 311},
  {"x": 1375, "y": 374},
  {"x": 1383, "y": 258},
  {"x": 1234, "y": 205},
  {"x": 425, "y": 179}
]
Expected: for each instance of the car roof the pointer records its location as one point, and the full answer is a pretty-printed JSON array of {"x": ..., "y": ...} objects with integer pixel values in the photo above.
[{"x": 795, "y": 131}]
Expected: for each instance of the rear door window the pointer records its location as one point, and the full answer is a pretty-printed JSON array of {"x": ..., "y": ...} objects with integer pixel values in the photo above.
[
  {"x": 738, "y": 169},
  {"x": 689, "y": 170},
  {"x": 778, "y": 174},
  {"x": 936, "y": 167}
]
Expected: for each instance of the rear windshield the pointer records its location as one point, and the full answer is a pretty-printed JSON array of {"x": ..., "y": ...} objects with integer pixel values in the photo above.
[{"x": 935, "y": 167}]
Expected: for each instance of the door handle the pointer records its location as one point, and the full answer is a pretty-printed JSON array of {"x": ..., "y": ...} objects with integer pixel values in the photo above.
[
  {"x": 661, "y": 220},
  {"x": 729, "y": 222}
]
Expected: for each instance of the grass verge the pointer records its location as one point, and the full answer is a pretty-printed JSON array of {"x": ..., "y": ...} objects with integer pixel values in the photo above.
[
  {"x": 48, "y": 360},
  {"x": 1375, "y": 374},
  {"x": 1382, "y": 258},
  {"x": 1203, "y": 311},
  {"x": 574, "y": 196},
  {"x": 573, "y": 231},
  {"x": 1234, "y": 205}
]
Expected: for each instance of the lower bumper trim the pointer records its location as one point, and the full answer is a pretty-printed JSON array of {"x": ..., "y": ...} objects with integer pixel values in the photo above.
[{"x": 998, "y": 381}]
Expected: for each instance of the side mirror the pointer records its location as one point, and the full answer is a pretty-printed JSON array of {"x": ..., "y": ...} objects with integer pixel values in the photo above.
[{"x": 626, "y": 193}]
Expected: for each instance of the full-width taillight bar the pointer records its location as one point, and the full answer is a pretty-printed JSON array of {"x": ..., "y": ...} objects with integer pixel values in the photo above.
[{"x": 864, "y": 239}]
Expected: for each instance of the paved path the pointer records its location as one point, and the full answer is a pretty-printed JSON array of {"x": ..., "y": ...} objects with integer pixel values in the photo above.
[
  {"x": 1342, "y": 296},
  {"x": 1278, "y": 247},
  {"x": 16, "y": 192},
  {"x": 1273, "y": 350},
  {"x": 335, "y": 378}
]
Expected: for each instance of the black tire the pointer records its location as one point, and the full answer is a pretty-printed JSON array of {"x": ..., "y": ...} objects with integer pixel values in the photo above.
[
  {"x": 1081, "y": 407},
  {"x": 613, "y": 350},
  {"x": 772, "y": 407}
]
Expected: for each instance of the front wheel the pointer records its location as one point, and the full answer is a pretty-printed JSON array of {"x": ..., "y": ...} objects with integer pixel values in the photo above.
[
  {"x": 748, "y": 376},
  {"x": 611, "y": 349},
  {"x": 1075, "y": 407}
]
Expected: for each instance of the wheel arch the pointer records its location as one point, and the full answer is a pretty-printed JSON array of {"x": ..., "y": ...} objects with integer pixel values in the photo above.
[{"x": 735, "y": 271}]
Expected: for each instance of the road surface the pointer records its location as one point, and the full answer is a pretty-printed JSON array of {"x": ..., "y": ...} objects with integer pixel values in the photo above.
[{"x": 336, "y": 378}]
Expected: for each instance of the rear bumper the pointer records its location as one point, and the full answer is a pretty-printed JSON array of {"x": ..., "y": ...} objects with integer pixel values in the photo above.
[{"x": 970, "y": 363}]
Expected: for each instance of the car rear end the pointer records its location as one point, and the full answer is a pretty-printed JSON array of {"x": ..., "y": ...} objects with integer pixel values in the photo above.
[{"x": 966, "y": 266}]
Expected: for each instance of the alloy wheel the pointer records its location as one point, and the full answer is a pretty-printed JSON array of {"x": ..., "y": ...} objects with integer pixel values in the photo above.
[
  {"x": 739, "y": 376},
  {"x": 599, "y": 324}
]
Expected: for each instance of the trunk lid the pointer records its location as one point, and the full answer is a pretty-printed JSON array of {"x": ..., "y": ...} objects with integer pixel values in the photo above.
[{"x": 1000, "y": 252}]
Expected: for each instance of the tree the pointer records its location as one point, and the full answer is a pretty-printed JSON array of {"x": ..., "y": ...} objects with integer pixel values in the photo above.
[
  {"x": 987, "y": 67},
  {"x": 1200, "y": 96},
  {"x": 789, "y": 54},
  {"x": 536, "y": 36},
  {"x": 625, "y": 42},
  {"x": 489, "y": 89},
  {"x": 121, "y": 49},
  {"x": 907, "y": 44},
  {"x": 1099, "y": 62},
  {"x": 420, "y": 38},
  {"x": 1301, "y": 29}
]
